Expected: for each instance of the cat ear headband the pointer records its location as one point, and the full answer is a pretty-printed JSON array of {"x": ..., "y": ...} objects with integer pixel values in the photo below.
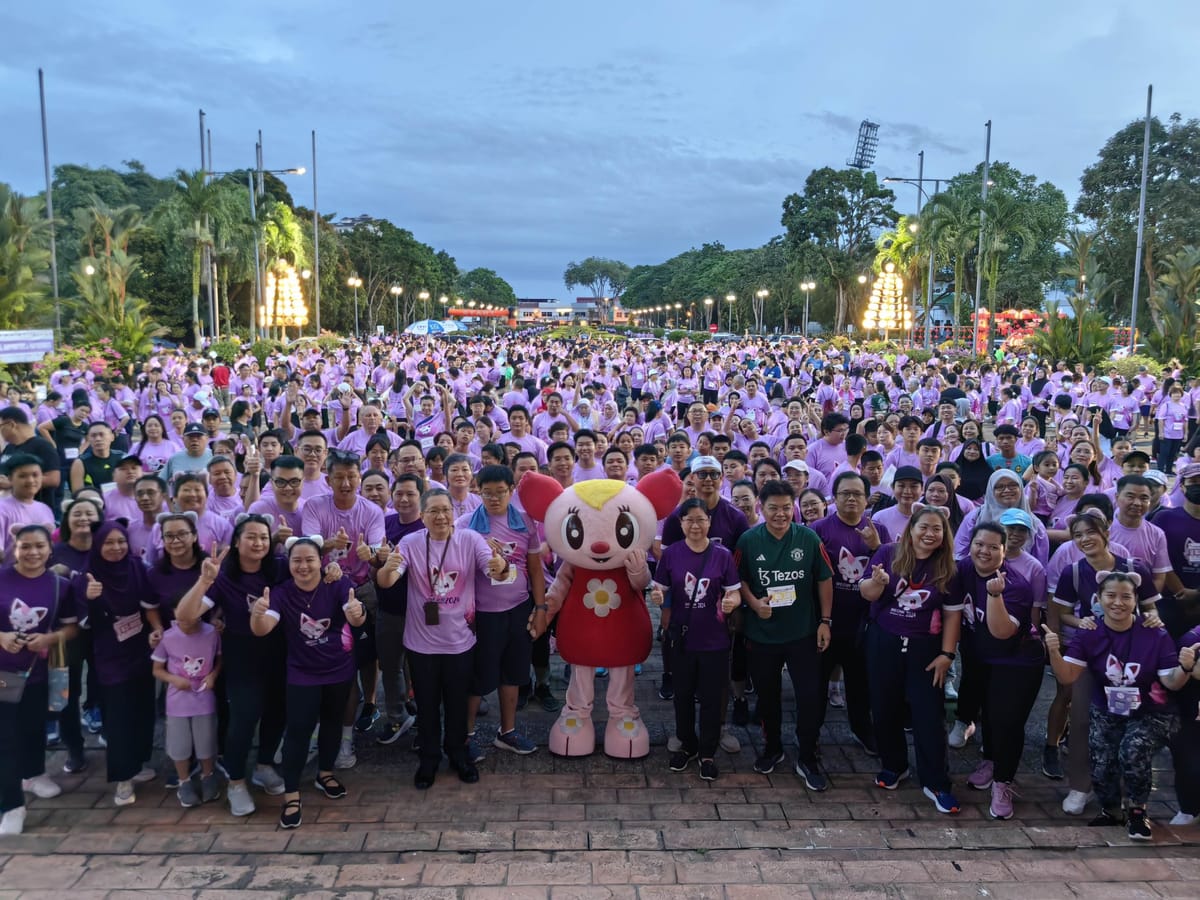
[
  {"x": 242, "y": 517},
  {"x": 1092, "y": 514},
  {"x": 190, "y": 515},
  {"x": 312, "y": 538},
  {"x": 1103, "y": 575}
]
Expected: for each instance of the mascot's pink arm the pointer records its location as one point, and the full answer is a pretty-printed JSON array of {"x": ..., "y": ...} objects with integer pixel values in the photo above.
[
  {"x": 637, "y": 570},
  {"x": 557, "y": 592}
]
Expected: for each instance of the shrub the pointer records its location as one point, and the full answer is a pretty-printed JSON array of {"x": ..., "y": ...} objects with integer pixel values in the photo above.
[{"x": 1129, "y": 366}]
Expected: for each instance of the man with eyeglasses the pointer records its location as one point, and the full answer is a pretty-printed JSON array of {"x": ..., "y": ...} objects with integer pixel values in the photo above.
[
  {"x": 312, "y": 450},
  {"x": 850, "y": 539},
  {"x": 284, "y": 503},
  {"x": 1145, "y": 540},
  {"x": 788, "y": 584},
  {"x": 352, "y": 529}
]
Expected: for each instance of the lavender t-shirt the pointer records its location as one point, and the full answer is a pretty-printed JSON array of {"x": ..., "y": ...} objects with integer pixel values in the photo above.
[
  {"x": 322, "y": 517},
  {"x": 193, "y": 656},
  {"x": 444, "y": 575},
  {"x": 515, "y": 547}
]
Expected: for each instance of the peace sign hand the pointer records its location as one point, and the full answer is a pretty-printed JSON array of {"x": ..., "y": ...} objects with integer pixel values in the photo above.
[
  {"x": 870, "y": 535},
  {"x": 210, "y": 568}
]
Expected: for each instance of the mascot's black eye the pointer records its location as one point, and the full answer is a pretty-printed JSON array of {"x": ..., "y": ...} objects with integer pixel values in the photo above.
[
  {"x": 572, "y": 530},
  {"x": 627, "y": 530}
]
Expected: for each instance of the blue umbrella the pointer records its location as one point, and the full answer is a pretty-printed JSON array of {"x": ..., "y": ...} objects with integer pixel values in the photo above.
[{"x": 426, "y": 326}]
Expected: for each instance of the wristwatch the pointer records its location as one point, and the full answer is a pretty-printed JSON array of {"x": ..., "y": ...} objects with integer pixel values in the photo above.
[
  {"x": 825, "y": 620},
  {"x": 947, "y": 654},
  {"x": 544, "y": 607}
]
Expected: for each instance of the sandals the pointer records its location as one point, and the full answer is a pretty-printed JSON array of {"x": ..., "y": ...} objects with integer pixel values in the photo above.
[
  {"x": 291, "y": 815},
  {"x": 330, "y": 787}
]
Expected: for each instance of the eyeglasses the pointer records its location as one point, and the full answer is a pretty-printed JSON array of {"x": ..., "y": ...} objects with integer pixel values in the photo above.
[
  {"x": 695, "y": 522},
  {"x": 310, "y": 449},
  {"x": 708, "y": 473},
  {"x": 287, "y": 482},
  {"x": 850, "y": 495},
  {"x": 491, "y": 495},
  {"x": 176, "y": 537},
  {"x": 439, "y": 511}
]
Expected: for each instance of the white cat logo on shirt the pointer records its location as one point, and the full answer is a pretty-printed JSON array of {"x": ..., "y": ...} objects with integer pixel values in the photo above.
[
  {"x": 444, "y": 582},
  {"x": 1191, "y": 551},
  {"x": 970, "y": 613},
  {"x": 311, "y": 628},
  {"x": 908, "y": 600},
  {"x": 193, "y": 667},
  {"x": 851, "y": 567},
  {"x": 26, "y": 618},
  {"x": 1121, "y": 675},
  {"x": 507, "y": 548},
  {"x": 695, "y": 590}
]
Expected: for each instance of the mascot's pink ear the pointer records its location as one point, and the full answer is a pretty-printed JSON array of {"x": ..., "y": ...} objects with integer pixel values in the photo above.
[
  {"x": 537, "y": 492},
  {"x": 662, "y": 489}
]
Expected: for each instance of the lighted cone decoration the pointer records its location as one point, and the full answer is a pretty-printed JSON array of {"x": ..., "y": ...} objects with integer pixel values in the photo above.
[
  {"x": 284, "y": 304},
  {"x": 887, "y": 308}
]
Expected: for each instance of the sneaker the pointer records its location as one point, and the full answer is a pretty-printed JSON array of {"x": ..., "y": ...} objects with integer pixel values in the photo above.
[
  {"x": 960, "y": 734},
  {"x": 837, "y": 694},
  {"x": 268, "y": 779},
  {"x": 681, "y": 760},
  {"x": 550, "y": 703},
  {"x": 393, "y": 731},
  {"x": 766, "y": 763},
  {"x": 188, "y": 795},
  {"x": 330, "y": 787},
  {"x": 666, "y": 688},
  {"x": 814, "y": 778},
  {"x": 741, "y": 711},
  {"x": 240, "y": 801},
  {"x": 1052, "y": 763},
  {"x": 171, "y": 782},
  {"x": 1107, "y": 820},
  {"x": 210, "y": 788},
  {"x": 1076, "y": 802},
  {"x": 346, "y": 758},
  {"x": 467, "y": 772},
  {"x": 92, "y": 720},
  {"x": 41, "y": 786},
  {"x": 475, "y": 751},
  {"x": 74, "y": 764},
  {"x": 601, "y": 672},
  {"x": 484, "y": 707},
  {"x": 123, "y": 795},
  {"x": 366, "y": 721},
  {"x": 943, "y": 801},
  {"x": 889, "y": 780},
  {"x": 729, "y": 742},
  {"x": 1139, "y": 825},
  {"x": 1182, "y": 819},
  {"x": 708, "y": 770},
  {"x": 514, "y": 742},
  {"x": 291, "y": 815},
  {"x": 867, "y": 744},
  {"x": 637, "y": 669},
  {"x": 145, "y": 776},
  {"x": 674, "y": 744},
  {"x": 981, "y": 778},
  {"x": 13, "y": 821},
  {"x": 1002, "y": 800},
  {"x": 951, "y": 691}
]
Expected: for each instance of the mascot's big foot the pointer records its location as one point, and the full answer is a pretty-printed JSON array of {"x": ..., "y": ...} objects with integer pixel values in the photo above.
[
  {"x": 573, "y": 734},
  {"x": 625, "y": 737}
]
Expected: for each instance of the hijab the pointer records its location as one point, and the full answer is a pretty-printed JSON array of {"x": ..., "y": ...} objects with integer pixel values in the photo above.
[
  {"x": 992, "y": 510},
  {"x": 975, "y": 473},
  {"x": 127, "y": 576}
]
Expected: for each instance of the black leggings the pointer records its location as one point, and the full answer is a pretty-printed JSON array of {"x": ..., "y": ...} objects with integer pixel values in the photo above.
[
  {"x": 1009, "y": 693},
  {"x": 256, "y": 690},
  {"x": 441, "y": 683},
  {"x": 128, "y": 710},
  {"x": 972, "y": 684},
  {"x": 699, "y": 674},
  {"x": 310, "y": 706},
  {"x": 1184, "y": 750},
  {"x": 22, "y": 744}
]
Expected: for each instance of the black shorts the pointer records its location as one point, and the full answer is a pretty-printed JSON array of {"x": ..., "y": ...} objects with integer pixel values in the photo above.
[
  {"x": 364, "y": 642},
  {"x": 503, "y": 649}
]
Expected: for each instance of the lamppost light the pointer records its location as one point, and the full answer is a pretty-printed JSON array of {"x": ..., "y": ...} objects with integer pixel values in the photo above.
[
  {"x": 306, "y": 274},
  {"x": 89, "y": 270}
]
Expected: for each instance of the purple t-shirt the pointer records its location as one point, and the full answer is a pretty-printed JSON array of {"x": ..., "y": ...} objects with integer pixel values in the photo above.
[
  {"x": 168, "y": 585},
  {"x": 1025, "y": 588},
  {"x": 32, "y": 606},
  {"x": 322, "y": 517},
  {"x": 1076, "y": 589},
  {"x": 726, "y": 524},
  {"x": 1137, "y": 657},
  {"x": 193, "y": 656},
  {"x": 1147, "y": 542},
  {"x": 515, "y": 547},
  {"x": 235, "y": 595},
  {"x": 442, "y": 572},
  {"x": 697, "y": 582},
  {"x": 906, "y": 606},
  {"x": 120, "y": 632},
  {"x": 848, "y": 555},
  {"x": 269, "y": 506},
  {"x": 319, "y": 646}
]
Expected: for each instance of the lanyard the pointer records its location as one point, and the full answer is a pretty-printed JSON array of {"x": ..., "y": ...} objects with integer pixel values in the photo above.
[{"x": 441, "y": 566}]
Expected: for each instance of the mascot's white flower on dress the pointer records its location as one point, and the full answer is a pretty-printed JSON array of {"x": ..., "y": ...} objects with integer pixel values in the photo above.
[{"x": 601, "y": 530}]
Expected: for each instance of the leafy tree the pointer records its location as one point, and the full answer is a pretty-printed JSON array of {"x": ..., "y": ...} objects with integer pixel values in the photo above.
[
  {"x": 951, "y": 219},
  {"x": 1006, "y": 232},
  {"x": 199, "y": 200},
  {"x": 485, "y": 286},
  {"x": 1082, "y": 338},
  {"x": 1173, "y": 307},
  {"x": 605, "y": 278},
  {"x": 836, "y": 220},
  {"x": 24, "y": 260}
]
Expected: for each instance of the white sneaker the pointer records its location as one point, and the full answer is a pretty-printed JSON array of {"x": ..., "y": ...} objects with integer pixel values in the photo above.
[
  {"x": 346, "y": 758},
  {"x": 1183, "y": 819},
  {"x": 837, "y": 694},
  {"x": 960, "y": 734},
  {"x": 268, "y": 779},
  {"x": 729, "y": 741},
  {"x": 41, "y": 786},
  {"x": 123, "y": 795},
  {"x": 240, "y": 801},
  {"x": 13, "y": 821},
  {"x": 1076, "y": 802},
  {"x": 147, "y": 774}
]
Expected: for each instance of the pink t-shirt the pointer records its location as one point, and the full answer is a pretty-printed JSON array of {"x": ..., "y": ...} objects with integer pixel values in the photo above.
[
  {"x": 442, "y": 572},
  {"x": 193, "y": 656},
  {"x": 321, "y": 516}
]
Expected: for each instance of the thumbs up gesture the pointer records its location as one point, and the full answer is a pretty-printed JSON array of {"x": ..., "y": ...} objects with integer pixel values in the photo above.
[
  {"x": 870, "y": 535},
  {"x": 382, "y": 553},
  {"x": 262, "y": 604},
  {"x": 395, "y": 560},
  {"x": 496, "y": 565},
  {"x": 94, "y": 588},
  {"x": 656, "y": 595},
  {"x": 996, "y": 583},
  {"x": 355, "y": 611},
  {"x": 361, "y": 549},
  {"x": 339, "y": 541},
  {"x": 1187, "y": 657},
  {"x": 1050, "y": 639}
]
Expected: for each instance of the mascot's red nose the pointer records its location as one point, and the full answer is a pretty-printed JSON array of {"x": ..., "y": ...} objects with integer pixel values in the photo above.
[{"x": 599, "y": 546}]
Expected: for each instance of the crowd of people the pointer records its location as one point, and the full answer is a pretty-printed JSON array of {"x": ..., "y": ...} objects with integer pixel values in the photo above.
[{"x": 252, "y": 551}]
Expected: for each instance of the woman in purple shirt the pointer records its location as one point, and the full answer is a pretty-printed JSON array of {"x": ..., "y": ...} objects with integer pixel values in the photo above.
[
  {"x": 315, "y": 615},
  {"x": 175, "y": 574},
  {"x": 36, "y": 613}
]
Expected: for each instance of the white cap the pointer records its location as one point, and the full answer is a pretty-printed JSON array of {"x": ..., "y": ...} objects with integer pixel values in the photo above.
[{"x": 797, "y": 465}]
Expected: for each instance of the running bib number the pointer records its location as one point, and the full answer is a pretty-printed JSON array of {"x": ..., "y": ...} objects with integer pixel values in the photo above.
[
  {"x": 1122, "y": 700},
  {"x": 126, "y": 627},
  {"x": 784, "y": 595}
]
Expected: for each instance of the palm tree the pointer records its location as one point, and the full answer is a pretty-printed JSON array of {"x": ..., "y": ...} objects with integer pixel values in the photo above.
[
  {"x": 951, "y": 221},
  {"x": 1173, "y": 306},
  {"x": 24, "y": 259},
  {"x": 1006, "y": 229},
  {"x": 1078, "y": 244},
  {"x": 200, "y": 199}
]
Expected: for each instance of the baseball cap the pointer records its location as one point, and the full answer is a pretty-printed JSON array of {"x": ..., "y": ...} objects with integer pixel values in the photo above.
[
  {"x": 131, "y": 459},
  {"x": 908, "y": 473},
  {"x": 194, "y": 428},
  {"x": 797, "y": 465},
  {"x": 1191, "y": 470},
  {"x": 1137, "y": 455},
  {"x": 705, "y": 464},
  {"x": 1157, "y": 476},
  {"x": 1017, "y": 517},
  {"x": 312, "y": 411}
]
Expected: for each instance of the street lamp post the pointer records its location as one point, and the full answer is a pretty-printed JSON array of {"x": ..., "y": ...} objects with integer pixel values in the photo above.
[
  {"x": 708, "y": 303},
  {"x": 305, "y": 275},
  {"x": 678, "y": 307},
  {"x": 731, "y": 298},
  {"x": 396, "y": 290},
  {"x": 808, "y": 287},
  {"x": 424, "y": 298},
  {"x": 355, "y": 282},
  {"x": 760, "y": 297}
]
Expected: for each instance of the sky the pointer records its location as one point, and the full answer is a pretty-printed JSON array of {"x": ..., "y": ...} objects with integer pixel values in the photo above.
[{"x": 522, "y": 136}]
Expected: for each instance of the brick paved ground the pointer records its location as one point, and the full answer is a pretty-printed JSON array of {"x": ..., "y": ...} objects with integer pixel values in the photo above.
[{"x": 547, "y": 827}]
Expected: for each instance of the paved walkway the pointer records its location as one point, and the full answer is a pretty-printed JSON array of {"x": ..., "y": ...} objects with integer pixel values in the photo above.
[{"x": 546, "y": 827}]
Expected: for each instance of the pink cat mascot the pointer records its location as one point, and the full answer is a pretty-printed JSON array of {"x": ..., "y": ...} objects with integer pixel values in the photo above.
[{"x": 601, "y": 530}]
